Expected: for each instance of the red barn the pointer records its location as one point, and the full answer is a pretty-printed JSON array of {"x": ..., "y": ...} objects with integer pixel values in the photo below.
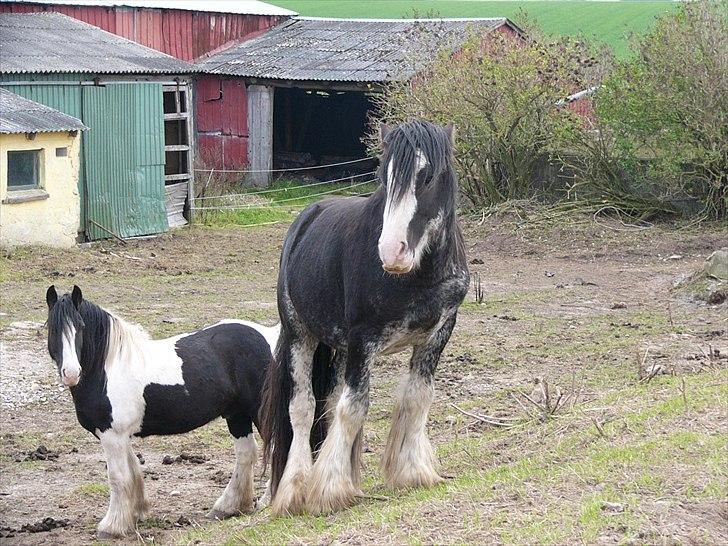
[{"x": 186, "y": 30}]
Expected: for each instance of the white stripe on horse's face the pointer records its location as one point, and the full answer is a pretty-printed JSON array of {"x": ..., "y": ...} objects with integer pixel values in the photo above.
[
  {"x": 394, "y": 251},
  {"x": 71, "y": 367}
]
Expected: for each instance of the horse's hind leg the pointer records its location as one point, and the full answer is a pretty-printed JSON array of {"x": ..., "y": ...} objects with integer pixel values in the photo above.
[
  {"x": 409, "y": 460},
  {"x": 334, "y": 481},
  {"x": 124, "y": 482},
  {"x": 290, "y": 493},
  {"x": 239, "y": 495}
]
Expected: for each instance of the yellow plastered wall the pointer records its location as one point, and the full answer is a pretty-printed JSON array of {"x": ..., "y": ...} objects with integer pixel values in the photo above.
[{"x": 53, "y": 221}]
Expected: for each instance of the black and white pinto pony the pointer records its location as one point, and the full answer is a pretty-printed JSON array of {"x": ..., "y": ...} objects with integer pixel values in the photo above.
[
  {"x": 125, "y": 384},
  {"x": 361, "y": 277}
]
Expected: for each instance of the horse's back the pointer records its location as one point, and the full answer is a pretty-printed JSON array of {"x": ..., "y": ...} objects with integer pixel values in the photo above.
[{"x": 223, "y": 367}]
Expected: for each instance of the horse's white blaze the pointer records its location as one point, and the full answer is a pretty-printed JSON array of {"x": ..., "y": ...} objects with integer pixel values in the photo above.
[
  {"x": 396, "y": 220},
  {"x": 71, "y": 367},
  {"x": 270, "y": 333}
]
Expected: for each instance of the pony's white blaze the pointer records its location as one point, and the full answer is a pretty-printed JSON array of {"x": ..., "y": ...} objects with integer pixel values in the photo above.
[
  {"x": 396, "y": 256},
  {"x": 71, "y": 367}
]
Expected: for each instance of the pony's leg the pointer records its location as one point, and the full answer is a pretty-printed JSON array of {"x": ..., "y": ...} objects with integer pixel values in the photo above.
[
  {"x": 290, "y": 495},
  {"x": 239, "y": 495},
  {"x": 139, "y": 498},
  {"x": 334, "y": 483},
  {"x": 409, "y": 460},
  {"x": 121, "y": 516}
]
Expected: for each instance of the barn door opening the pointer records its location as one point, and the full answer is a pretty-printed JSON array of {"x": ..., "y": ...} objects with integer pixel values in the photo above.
[
  {"x": 177, "y": 152},
  {"x": 319, "y": 127}
]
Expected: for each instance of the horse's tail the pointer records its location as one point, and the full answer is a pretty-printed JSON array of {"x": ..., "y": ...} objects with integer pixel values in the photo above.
[
  {"x": 323, "y": 379},
  {"x": 275, "y": 421}
]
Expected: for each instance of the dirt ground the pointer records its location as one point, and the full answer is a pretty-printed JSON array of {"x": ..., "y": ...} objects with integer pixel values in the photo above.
[{"x": 589, "y": 309}]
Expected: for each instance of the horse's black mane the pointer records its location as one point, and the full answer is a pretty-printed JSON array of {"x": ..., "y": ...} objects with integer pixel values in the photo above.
[
  {"x": 96, "y": 323},
  {"x": 402, "y": 143}
]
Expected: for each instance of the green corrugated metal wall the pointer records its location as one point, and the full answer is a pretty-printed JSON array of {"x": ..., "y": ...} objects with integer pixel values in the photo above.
[
  {"x": 121, "y": 182},
  {"x": 125, "y": 161}
]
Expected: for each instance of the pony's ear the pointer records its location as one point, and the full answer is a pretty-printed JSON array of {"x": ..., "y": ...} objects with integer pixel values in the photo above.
[
  {"x": 450, "y": 132},
  {"x": 76, "y": 297},
  {"x": 51, "y": 296},
  {"x": 384, "y": 130}
]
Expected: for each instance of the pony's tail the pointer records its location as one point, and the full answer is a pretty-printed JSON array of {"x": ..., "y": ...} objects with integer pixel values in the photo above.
[
  {"x": 275, "y": 421},
  {"x": 323, "y": 380}
]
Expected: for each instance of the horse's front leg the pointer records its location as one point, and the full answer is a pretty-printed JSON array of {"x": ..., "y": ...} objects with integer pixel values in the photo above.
[
  {"x": 334, "y": 483},
  {"x": 126, "y": 486},
  {"x": 409, "y": 460}
]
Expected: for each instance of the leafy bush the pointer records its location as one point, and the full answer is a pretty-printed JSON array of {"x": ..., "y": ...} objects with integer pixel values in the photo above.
[
  {"x": 500, "y": 92},
  {"x": 661, "y": 130}
]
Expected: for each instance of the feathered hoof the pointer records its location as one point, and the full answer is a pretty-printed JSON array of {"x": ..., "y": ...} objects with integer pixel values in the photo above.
[
  {"x": 216, "y": 515},
  {"x": 290, "y": 499},
  {"x": 329, "y": 495},
  {"x": 413, "y": 478}
]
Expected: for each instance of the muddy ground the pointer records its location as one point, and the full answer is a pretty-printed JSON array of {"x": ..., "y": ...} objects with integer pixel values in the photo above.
[{"x": 587, "y": 308}]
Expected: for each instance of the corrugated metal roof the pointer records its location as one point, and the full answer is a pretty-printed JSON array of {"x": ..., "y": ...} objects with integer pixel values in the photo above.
[
  {"x": 20, "y": 115},
  {"x": 354, "y": 50},
  {"x": 240, "y": 7},
  {"x": 55, "y": 43}
]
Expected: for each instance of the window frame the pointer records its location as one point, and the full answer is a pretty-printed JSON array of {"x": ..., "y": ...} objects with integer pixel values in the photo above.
[{"x": 38, "y": 185}]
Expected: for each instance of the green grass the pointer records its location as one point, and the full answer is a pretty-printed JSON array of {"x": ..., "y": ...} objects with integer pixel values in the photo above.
[
  {"x": 608, "y": 22},
  {"x": 93, "y": 489},
  {"x": 280, "y": 203}
]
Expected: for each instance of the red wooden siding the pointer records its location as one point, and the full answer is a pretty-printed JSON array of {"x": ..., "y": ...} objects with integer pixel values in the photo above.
[
  {"x": 183, "y": 34},
  {"x": 221, "y": 106}
]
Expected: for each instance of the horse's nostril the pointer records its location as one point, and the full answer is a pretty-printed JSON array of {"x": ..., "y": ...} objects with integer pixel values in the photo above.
[{"x": 402, "y": 249}]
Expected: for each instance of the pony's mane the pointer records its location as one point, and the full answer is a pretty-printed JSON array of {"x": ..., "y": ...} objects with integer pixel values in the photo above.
[
  {"x": 107, "y": 338},
  {"x": 402, "y": 143}
]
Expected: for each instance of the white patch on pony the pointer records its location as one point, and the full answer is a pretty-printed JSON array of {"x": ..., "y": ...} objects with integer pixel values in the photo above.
[
  {"x": 238, "y": 497},
  {"x": 71, "y": 367},
  {"x": 127, "y": 502},
  {"x": 270, "y": 333},
  {"x": 396, "y": 220}
]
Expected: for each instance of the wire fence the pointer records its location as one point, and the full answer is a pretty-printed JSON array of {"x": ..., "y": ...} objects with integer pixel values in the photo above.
[
  {"x": 292, "y": 169},
  {"x": 285, "y": 188},
  {"x": 281, "y": 203}
]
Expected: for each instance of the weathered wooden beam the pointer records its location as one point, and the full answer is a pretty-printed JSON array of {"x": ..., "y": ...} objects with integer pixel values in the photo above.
[{"x": 260, "y": 134}]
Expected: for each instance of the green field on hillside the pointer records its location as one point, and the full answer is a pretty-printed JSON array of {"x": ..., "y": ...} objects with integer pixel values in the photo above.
[{"x": 609, "y": 21}]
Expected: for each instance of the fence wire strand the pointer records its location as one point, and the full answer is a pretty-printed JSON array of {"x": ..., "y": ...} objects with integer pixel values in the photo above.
[
  {"x": 289, "y": 188},
  {"x": 292, "y": 169},
  {"x": 287, "y": 202}
]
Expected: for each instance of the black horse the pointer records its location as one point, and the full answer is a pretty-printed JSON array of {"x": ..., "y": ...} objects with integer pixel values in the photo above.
[
  {"x": 125, "y": 384},
  {"x": 361, "y": 277}
]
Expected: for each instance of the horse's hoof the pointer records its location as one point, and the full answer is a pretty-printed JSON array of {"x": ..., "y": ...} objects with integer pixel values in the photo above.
[{"x": 219, "y": 515}]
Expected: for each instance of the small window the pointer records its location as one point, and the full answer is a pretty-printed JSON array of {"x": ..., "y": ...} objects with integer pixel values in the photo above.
[{"x": 24, "y": 170}]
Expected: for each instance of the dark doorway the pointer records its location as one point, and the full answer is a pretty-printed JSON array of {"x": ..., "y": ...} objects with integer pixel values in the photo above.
[{"x": 313, "y": 127}]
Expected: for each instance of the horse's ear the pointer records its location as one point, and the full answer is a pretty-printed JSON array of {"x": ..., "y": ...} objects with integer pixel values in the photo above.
[
  {"x": 51, "y": 296},
  {"x": 384, "y": 130},
  {"x": 450, "y": 132},
  {"x": 76, "y": 297}
]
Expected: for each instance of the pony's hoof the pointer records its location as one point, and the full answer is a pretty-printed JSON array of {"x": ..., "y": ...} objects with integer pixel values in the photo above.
[{"x": 105, "y": 535}]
